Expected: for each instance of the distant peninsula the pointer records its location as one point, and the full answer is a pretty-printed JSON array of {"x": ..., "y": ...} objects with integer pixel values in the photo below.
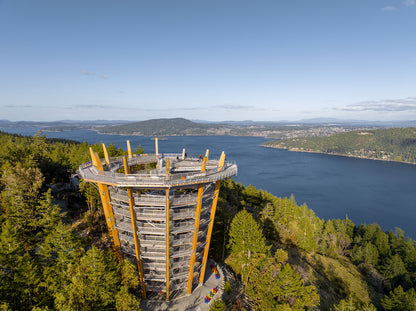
[
  {"x": 393, "y": 144},
  {"x": 182, "y": 127}
]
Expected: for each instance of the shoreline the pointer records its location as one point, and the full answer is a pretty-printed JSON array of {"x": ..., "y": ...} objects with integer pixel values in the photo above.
[
  {"x": 339, "y": 155},
  {"x": 177, "y": 135}
]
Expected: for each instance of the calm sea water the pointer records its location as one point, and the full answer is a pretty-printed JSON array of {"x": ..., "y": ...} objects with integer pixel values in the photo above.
[{"x": 334, "y": 187}]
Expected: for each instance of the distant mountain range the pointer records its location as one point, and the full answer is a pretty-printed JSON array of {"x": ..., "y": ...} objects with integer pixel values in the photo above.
[
  {"x": 181, "y": 126},
  {"x": 315, "y": 121},
  {"x": 156, "y": 127},
  {"x": 63, "y": 123}
]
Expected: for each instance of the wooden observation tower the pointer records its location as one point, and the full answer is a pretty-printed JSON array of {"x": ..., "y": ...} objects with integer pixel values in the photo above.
[{"x": 161, "y": 216}]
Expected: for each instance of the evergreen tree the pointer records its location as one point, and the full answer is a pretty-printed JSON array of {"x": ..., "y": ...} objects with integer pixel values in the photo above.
[
  {"x": 20, "y": 275},
  {"x": 410, "y": 256},
  {"x": 91, "y": 284},
  {"x": 139, "y": 150},
  {"x": 4, "y": 306},
  {"x": 276, "y": 286},
  {"x": 59, "y": 249},
  {"x": 246, "y": 238},
  {"x": 290, "y": 290},
  {"x": 394, "y": 270},
  {"x": 126, "y": 301},
  {"x": 218, "y": 305},
  {"x": 10, "y": 254},
  {"x": 382, "y": 243},
  {"x": 346, "y": 305},
  {"x": 113, "y": 151},
  {"x": 349, "y": 305},
  {"x": 19, "y": 201},
  {"x": 399, "y": 300},
  {"x": 366, "y": 253},
  {"x": 125, "y": 298}
]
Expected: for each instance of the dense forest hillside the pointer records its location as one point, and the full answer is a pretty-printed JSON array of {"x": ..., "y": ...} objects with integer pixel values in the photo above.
[
  {"x": 55, "y": 257},
  {"x": 283, "y": 256},
  {"x": 394, "y": 144},
  {"x": 350, "y": 267}
]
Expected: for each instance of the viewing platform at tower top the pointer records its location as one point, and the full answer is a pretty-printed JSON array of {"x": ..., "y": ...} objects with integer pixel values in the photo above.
[{"x": 172, "y": 170}]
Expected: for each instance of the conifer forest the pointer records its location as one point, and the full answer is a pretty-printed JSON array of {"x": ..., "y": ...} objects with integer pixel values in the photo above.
[{"x": 56, "y": 254}]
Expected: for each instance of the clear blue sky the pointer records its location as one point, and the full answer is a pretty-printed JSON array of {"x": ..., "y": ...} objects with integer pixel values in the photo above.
[{"x": 211, "y": 60}]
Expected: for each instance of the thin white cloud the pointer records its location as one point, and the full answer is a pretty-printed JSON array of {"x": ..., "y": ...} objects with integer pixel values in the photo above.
[
  {"x": 177, "y": 109},
  {"x": 389, "y": 9},
  {"x": 95, "y": 106},
  {"x": 233, "y": 107},
  {"x": 404, "y": 104},
  {"x": 92, "y": 73},
  {"x": 409, "y": 2},
  {"x": 18, "y": 106},
  {"x": 87, "y": 73}
]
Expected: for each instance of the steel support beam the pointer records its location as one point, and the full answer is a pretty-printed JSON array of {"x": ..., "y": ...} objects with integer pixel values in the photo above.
[{"x": 134, "y": 228}]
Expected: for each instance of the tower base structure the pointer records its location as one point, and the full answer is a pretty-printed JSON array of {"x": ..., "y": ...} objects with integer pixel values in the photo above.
[{"x": 160, "y": 212}]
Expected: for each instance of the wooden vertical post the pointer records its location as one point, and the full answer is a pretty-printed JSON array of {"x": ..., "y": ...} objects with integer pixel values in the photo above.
[
  {"x": 134, "y": 228},
  {"x": 211, "y": 223},
  {"x": 107, "y": 159},
  {"x": 196, "y": 230},
  {"x": 129, "y": 150},
  {"x": 108, "y": 210},
  {"x": 167, "y": 244},
  {"x": 157, "y": 146}
]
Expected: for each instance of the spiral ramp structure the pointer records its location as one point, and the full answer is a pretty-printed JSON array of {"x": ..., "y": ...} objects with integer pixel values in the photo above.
[{"x": 160, "y": 210}]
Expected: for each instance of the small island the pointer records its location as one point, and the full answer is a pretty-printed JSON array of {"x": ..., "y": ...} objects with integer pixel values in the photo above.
[{"x": 393, "y": 144}]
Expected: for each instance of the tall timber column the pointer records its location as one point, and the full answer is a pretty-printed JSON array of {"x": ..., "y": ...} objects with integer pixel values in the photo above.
[
  {"x": 211, "y": 221},
  {"x": 106, "y": 157},
  {"x": 156, "y": 146},
  {"x": 196, "y": 230},
  {"x": 167, "y": 244},
  {"x": 167, "y": 232},
  {"x": 129, "y": 150},
  {"x": 105, "y": 200},
  {"x": 134, "y": 228}
]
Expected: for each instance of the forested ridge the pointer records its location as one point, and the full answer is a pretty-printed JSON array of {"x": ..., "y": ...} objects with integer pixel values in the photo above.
[
  {"x": 283, "y": 256},
  {"x": 393, "y": 144},
  {"x": 181, "y": 126},
  {"x": 155, "y": 127},
  {"x": 49, "y": 259}
]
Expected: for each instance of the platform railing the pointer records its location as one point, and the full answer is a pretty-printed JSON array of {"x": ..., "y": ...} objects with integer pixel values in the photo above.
[{"x": 156, "y": 180}]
